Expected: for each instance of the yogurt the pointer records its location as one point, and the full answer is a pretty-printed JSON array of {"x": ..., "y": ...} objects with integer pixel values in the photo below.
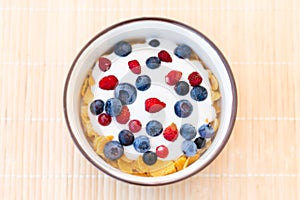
[{"x": 203, "y": 111}]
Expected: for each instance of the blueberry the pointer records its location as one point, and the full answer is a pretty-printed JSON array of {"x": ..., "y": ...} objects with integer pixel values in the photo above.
[
  {"x": 154, "y": 128},
  {"x": 97, "y": 107},
  {"x": 188, "y": 131},
  {"x": 153, "y": 62},
  {"x": 126, "y": 93},
  {"x": 126, "y": 138},
  {"x": 183, "y": 108},
  {"x": 149, "y": 158},
  {"x": 122, "y": 48},
  {"x": 199, "y": 93},
  {"x": 189, "y": 148},
  {"x": 143, "y": 82},
  {"x": 200, "y": 142},
  {"x": 182, "y": 88},
  {"x": 206, "y": 131},
  {"x": 183, "y": 51},
  {"x": 113, "y": 150},
  {"x": 141, "y": 144},
  {"x": 154, "y": 43},
  {"x": 113, "y": 107}
]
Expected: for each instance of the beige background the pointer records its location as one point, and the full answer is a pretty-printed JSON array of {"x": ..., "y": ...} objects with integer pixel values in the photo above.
[{"x": 39, "y": 40}]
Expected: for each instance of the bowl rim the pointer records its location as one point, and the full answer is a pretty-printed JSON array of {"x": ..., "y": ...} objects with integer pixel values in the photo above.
[{"x": 219, "y": 53}]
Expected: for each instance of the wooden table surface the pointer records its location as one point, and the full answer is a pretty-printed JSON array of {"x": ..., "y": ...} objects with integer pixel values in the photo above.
[{"x": 39, "y": 40}]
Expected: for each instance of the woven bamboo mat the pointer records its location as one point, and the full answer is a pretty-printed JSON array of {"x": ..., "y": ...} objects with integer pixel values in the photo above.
[{"x": 39, "y": 40}]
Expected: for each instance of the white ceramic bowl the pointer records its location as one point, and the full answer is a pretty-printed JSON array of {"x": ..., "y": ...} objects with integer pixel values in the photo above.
[{"x": 159, "y": 28}]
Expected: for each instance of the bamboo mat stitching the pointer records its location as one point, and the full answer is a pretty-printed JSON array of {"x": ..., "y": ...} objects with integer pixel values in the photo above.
[
  {"x": 107, "y": 9},
  {"x": 91, "y": 176}
]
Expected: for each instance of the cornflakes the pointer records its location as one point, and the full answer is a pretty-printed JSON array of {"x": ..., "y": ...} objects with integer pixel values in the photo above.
[{"x": 138, "y": 167}]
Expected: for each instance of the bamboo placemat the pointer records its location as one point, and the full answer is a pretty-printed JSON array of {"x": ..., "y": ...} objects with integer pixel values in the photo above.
[{"x": 39, "y": 40}]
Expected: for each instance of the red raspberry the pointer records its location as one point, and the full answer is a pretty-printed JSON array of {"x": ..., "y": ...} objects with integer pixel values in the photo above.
[
  {"x": 171, "y": 132},
  {"x": 124, "y": 116},
  {"x": 108, "y": 82},
  {"x": 153, "y": 105},
  {"x": 195, "y": 79},
  {"x": 135, "y": 125},
  {"x": 104, "y": 64},
  {"x": 104, "y": 119},
  {"x": 162, "y": 151},
  {"x": 173, "y": 77},
  {"x": 164, "y": 56},
  {"x": 134, "y": 66}
]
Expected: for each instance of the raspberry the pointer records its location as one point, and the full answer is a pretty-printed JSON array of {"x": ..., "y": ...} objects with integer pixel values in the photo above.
[
  {"x": 134, "y": 66},
  {"x": 108, "y": 82},
  {"x": 135, "y": 125},
  {"x": 173, "y": 77},
  {"x": 104, "y": 119},
  {"x": 195, "y": 79},
  {"x": 153, "y": 105},
  {"x": 162, "y": 151},
  {"x": 164, "y": 56},
  {"x": 124, "y": 116},
  {"x": 104, "y": 64},
  {"x": 171, "y": 133}
]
